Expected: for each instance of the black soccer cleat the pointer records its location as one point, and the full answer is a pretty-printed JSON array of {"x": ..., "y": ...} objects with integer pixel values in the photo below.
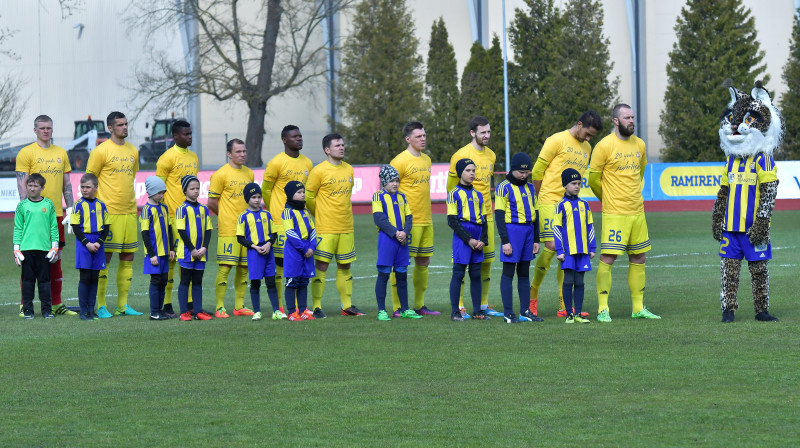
[
  {"x": 527, "y": 313},
  {"x": 727, "y": 317},
  {"x": 457, "y": 317},
  {"x": 764, "y": 316}
]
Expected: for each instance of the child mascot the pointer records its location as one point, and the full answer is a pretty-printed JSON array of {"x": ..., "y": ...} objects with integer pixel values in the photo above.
[{"x": 750, "y": 130}]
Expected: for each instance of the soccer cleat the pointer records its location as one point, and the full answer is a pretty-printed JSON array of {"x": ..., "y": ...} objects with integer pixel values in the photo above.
[
  {"x": 464, "y": 313},
  {"x": 294, "y": 317},
  {"x": 644, "y": 314},
  {"x": 126, "y": 311},
  {"x": 280, "y": 308},
  {"x": 397, "y": 313},
  {"x": 534, "y": 306},
  {"x": 95, "y": 316},
  {"x": 603, "y": 316},
  {"x": 764, "y": 316},
  {"x": 457, "y": 317},
  {"x": 221, "y": 313},
  {"x": 562, "y": 313},
  {"x": 492, "y": 312},
  {"x": 570, "y": 319},
  {"x": 103, "y": 313},
  {"x": 511, "y": 318},
  {"x": 307, "y": 315},
  {"x": 319, "y": 314},
  {"x": 353, "y": 311},
  {"x": 21, "y": 313},
  {"x": 530, "y": 316},
  {"x": 159, "y": 316},
  {"x": 424, "y": 311},
  {"x": 243, "y": 311},
  {"x": 481, "y": 315},
  {"x": 410, "y": 314},
  {"x": 278, "y": 315},
  {"x": 202, "y": 315},
  {"x": 28, "y": 316},
  {"x": 186, "y": 316},
  {"x": 168, "y": 310},
  {"x": 308, "y": 312},
  {"x": 581, "y": 320},
  {"x": 257, "y": 315},
  {"x": 87, "y": 316},
  {"x": 727, "y": 316},
  {"x": 61, "y": 309},
  {"x": 384, "y": 316},
  {"x": 49, "y": 315}
]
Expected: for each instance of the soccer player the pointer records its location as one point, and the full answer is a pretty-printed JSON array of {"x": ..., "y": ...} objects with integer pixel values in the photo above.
[
  {"x": 52, "y": 163},
  {"x": 414, "y": 168},
  {"x": 565, "y": 149},
  {"x": 35, "y": 245},
  {"x": 176, "y": 162},
  {"x": 301, "y": 242},
  {"x": 615, "y": 177},
  {"x": 89, "y": 225},
  {"x": 115, "y": 163},
  {"x": 159, "y": 247},
  {"x": 225, "y": 200},
  {"x": 327, "y": 194},
  {"x": 484, "y": 158},
  {"x": 285, "y": 167},
  {"x": 194, "y": 229}
]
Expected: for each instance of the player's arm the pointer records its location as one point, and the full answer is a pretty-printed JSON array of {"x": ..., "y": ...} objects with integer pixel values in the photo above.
[
  {"x": 590, "y": 230},
  {"x": 594, "y": 183},
  {"x": 266, "y": 191},
  {"x": 162, "y": 167},
  {"x": 538, "y": 173},
  {"x": 22, "y": 185},
  {"x": 67, "y": 191},
  {"x": 213, "y": 204},
  {"x": 452, "y": 181},
  {"x": 311, "y": 202},
  {"x": 382, "y": 221},
  {"x": 484, "y": 231}
]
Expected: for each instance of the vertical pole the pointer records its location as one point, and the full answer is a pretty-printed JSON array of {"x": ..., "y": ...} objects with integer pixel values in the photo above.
[{"x": 505, "y": 91}]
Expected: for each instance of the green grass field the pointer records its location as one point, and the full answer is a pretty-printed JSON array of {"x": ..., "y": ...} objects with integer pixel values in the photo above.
[{"x": 684, "y": 380}]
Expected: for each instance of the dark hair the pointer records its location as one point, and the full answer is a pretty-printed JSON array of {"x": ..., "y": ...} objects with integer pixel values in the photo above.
[
  {"x": 113, "y": 116},
  {"x": 89, "y": 177},
  {"x": 178, "y": 125},
  {"x": 619, "y": 107},
  {"x": 591, "y": 119},
  {"x": 42, "y": 119},
  {"x": 477, "y": 121},
  {"x": 326, "y": 141},
  {"x": 38, "y": 178},
  {"x": 286, "y": 129},
  {"x": 233, "y": 141},
  {"x": 410, "y": 127}
]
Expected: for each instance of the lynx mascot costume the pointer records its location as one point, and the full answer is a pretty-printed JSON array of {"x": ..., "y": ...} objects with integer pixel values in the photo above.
[{"x": 750, "y": 129}]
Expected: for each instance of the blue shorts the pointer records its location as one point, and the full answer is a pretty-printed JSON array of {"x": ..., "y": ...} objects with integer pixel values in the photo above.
[
  {"x": 462, "y": 253},
  {"x": 737, "y": 245},
  {"x": 87, "y": 260},
  {"x": 521, "y": 238},
  {"x": 260, "y": 266},
  {"x": 296, "y": 265},
  {"x": 162, "y": 268},
  {"x": 196, "y": 265},
  {"x": 391, "y": 252},
  {"x": 577, "y": 262}
]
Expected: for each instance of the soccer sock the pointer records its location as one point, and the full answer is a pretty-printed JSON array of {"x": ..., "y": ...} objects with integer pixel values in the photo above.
[
  {"x": 506, "y": 294},
  {"x": 102, "y": 284},
  {"x": 124, "y": 277},
  {"x": 475, "y": 286},
  {"x": 221, "y": 284},
  {"x": 272, "y": 292},
  {"x": 603, "y": 285},
  {"x": 197, "y": 290},
  {"x": 486, "y": 277},
  {"x": 402, "y": 289},
  {"x": 540, "y": 270},
  {"x": 318, "y": 288},
  {"x": 183, "y": 290},
  {"x": 455, "y": 286},
  {"x": 636, "y": 284},
  {"x": 302, "y": 291},
  {"x": 380, "y": 290},
  {"x": 56, "y": 278},
  {"x": 523, "y": 290},
  {"x": 344, "y": 283},
  {"x": 560, "y": 283},
  {"x": 395, "y": 294},
  {"x": 83, "y": 293},
  {"x": 279, "y": 282},
  {"x": 290, "y": 299},
  {"x": 577, "y": 297},
  {"x": 566, "y": 287},
  {"x": 170, "y": 282},
  {"x": 255, "y": 296},
  {"x": 420, "y": 285},
  {"x": 240, "y": 287},
  {"x": 153, "y": 293}
]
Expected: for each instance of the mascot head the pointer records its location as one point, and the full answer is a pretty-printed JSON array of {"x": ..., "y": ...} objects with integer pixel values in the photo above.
[{"x": 751, "y": 124}]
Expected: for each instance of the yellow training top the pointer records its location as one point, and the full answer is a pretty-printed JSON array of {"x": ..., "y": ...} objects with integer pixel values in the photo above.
[
  {"x": 484, "y": 169},
  {"x": 333, "y": 185},
  {"x": 621, "y": 166},
  {"x": 281, "y": 170},
  {"x": 52, "y": 163},
  {"x": 227, "y": 184},
  {"x": 175, "y": 163},
  {"x": 560, "y": 151},
  {"x": 115, "y": 167},
  {"x": 415, "y": 184}
]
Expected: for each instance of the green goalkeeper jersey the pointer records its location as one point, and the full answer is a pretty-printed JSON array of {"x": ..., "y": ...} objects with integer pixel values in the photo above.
[{"x": 35, "y": 225}]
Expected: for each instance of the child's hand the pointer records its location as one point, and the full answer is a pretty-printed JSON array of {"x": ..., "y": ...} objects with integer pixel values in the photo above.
[
  {"x": 400, "y": 236},
  {"x": 309, "y": 253},
  {"x": 154, "y": 260},
  {"x": 202, "y": 251},
  {"x": 535, "y": 248},
  {"x": 560, "y": 257},
  {"x": 267, "y": 246},
  {"x": 172, "y": 255},
  {"x": 507, "y": 249},
  {"x": 591, "y": 255},
  {"x": 18, "y": 257},
  {"x": 473, "y": 243}
]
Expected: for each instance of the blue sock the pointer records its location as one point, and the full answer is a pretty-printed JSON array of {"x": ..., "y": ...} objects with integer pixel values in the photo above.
[
  {"x": 290, "y": 295},
  {"x": 566, "y": 289},
  {"x": 475, "y": 286},
  {"x": 183, "y": 297},
  {"x": 380, "y": 290},
  {"x": 272, "y": 292},
  {"x": 92, "y": 299},
  {"x": 402, "y": 289},
  {"x": 255, "y": 295},
  {"x": 578, "y": 293},
  {"x": 83, "y": 297},
  {"x": 302, "y": 295},
  {"x": 524, "y": 291},
  {"x": 506, "y": 293},
  {"x": 154, "y": 295},
  {"x": 455, "y": 285},
  {"x": 197, "y": 296}
]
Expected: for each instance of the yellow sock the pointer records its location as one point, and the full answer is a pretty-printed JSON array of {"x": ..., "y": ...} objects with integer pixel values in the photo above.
[
  {"x": 170, "y": 282},
  {"x": 603, "y": 285},
  {"x": 102, "y": 284},
  {"x": 486, "y": 273},
  {"x": 279, "y": 284},
  {"x": 461, "y": 291},
  {"x": 636, "y": 284},
  {"x": 124, "y": 277},
  {"x": 560, "y": 280},
  {"x": 317, "y": 289},
  {"x": 240, "y": 287},
  {"x": 540, "y": 270},
  {"x": 344, "y": 283},
  {"x": 420, "y": 285},
  {"x": 221, "y": 284},
  {"x": 393, "y": 287}
]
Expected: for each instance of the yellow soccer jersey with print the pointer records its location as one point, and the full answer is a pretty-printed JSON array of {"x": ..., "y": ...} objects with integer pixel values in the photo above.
[
  {"x": 115, "y": 167},
  {"x": 562, "y": 151},
  {"x": 484, "y": 169},
  {"x": 334, "y": 187},
  {"x": 175, "y": 163},
  {"x": 281, "y": 170},
  {"x": 621, "y": 164},
  {"x": 227, "y": 184},
  {"x": 415, "y": 184},
  {"x": 52, "y": 163}
]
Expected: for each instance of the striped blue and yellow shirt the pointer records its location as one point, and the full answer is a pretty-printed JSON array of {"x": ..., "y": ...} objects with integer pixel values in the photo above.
[
  {"x": 394, "y": 205},
  {"x": 255, "y": 226},
  {"x": 91, "y": 214},
  {"x": 155, "y": 219},
  {"x": 517, "y": 201},
  {"x": 573, "y": 227},
  {"x": 466, "y": 204},
  {"x": 743, "y": 176},
  {"x": 195, "y": 220},
  {"x": 298, "y": 224}
]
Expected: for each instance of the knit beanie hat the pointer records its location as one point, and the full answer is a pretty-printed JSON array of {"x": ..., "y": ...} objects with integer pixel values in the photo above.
[
  {"x": 569, "y": 175},
  {"x": 292, "y": 187},
  {"x": 251, "y": 189},
  {"x": 387, "y": 174},
  {"x": 521, "y": 162},
  {"x": 154, "y": 185},
  {"x": 461, "y": 164},
  {"x": 186, "y": 179}
]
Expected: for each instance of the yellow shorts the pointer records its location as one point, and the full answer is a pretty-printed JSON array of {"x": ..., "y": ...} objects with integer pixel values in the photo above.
[
  {"x": 421, "y": 244},
  {"x": 488, "y": 249},
  {"x": 624, "y": 234},
  {"x": 339, "y": 245},
  {"x": 123, "y": 235},
  {"x": 230, "y": 252},
  {"x": 277, "y": 248},
  {"x": 546, "y": 212}
]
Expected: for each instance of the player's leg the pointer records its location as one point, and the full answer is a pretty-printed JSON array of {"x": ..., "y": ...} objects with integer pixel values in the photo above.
[
  {"x": 380, "y": 290},
  {"x": 240, "y": 279},
  {"x": 638, "y": 243},
  {"x": 423, "y": 241},
  {"x": 323, "y": 255},
  {"x": 277, "y": 248},
  {"x": 57, "y": 278},
  {"x": 220, "y": 288},
  {"x": 456, "y": 280},
  {"x": 112, "y": 245},
  {"x": 345, "y": 254},
  {"x": 577, "y": 296},
  {"x": 197, "y": 291},
  {"x": 506, "y": 287},
  {"x": 568, "y": 288},
  {"x": 130, "y": 244},
  {"x": 611, "y": 246},
  {"x": 486, "y": 270},
  {"x": 545, "y": 258}
]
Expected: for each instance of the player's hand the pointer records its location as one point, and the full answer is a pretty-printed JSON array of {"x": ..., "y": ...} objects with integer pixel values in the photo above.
[
  {"x": 560, "y": 257},
  {"x": 53, "y": 254},
  {"x": 18, "y": 257},
  {"x": 400, "y": 236},
  {"x": 93, "y": 247},
  {"x": 172, "y": 255},
  {"x": 591, "y": 255},
  {"x": 267, "y": 246},
  {"x": 65, "y": 221},
  {"x": 309, "y": 253},
  {"x": 202, "y": 252},
  {"x": 472, "y": 243},
  {"x": 195, "y": 254},
  {"x": 154, "y": 260},
  {"x": 507, "y": 249},
  {"x": 535, "y": 248}
]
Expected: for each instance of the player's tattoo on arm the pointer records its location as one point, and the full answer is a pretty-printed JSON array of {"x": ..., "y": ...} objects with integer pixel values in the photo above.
[
  {"x": 68, "y": 199},
  {"x": 22, "y": 181}
]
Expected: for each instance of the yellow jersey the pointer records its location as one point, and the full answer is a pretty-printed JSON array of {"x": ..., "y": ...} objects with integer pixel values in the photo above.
[
  {"x": 484, "y": 169},
  {"x": 52, "y": 163},
  {"x": 255, "y": 226},
  {"x": 175, "y": 163},
  {"x": 415, "y": 184},
  {"x": 395, "y": 206},
  {"x": 560, "y": 151},
  {"x": 194, "y": 219},
  {"x": 115, "y": 167},
  {"x": 333, "y": 185},
  {"x": 517, "y": 201},
  {"x": 466, "y": 204},
  {"x": 227, "y": 184},
  {"x": 281, "y": 170},
  {"x": 621, "y": 165}
]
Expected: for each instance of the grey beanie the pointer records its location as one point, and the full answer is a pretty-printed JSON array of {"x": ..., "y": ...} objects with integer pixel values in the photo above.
[
  {"x": 154, "y": 185},
  {"x": 387, "y": 174}
]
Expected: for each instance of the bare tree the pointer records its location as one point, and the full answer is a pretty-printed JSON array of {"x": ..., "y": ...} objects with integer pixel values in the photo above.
[
  {"x": 12, "y": 104},
  {"x": 249, "y": 59}
]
